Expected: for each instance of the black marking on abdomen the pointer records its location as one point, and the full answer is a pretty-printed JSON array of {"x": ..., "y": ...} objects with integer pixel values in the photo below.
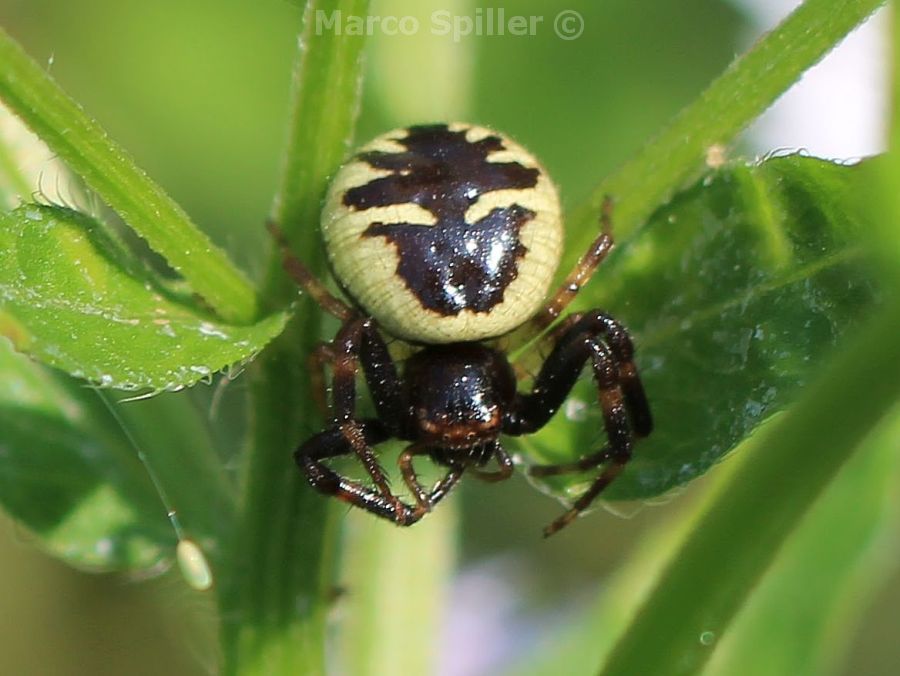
[
  {"x": 459, "y": 266},
  {"x": 452, "y": 265}
]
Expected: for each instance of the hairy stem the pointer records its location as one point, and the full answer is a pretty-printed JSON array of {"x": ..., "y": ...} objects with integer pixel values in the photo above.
[
  {"x": 108, "y": 170},
  {"x": 747, "y": 87},
  {"x": 277, "y": 595}
]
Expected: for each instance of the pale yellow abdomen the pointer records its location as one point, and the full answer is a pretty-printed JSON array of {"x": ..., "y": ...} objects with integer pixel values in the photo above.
[{"x": 444, "y": 233}]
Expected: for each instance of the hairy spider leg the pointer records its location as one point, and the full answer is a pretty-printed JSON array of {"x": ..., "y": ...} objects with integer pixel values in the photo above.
[
  {"x": 358, "y": 340},
  {"x": 596, "y": 337},
  {"x": 619, "y": 341},
  {"x": 359, "y": 343},
  {"x": 615, "y": 420},
  {"x": 323, "y": 354},
  {"x": 306, "y": 280},
  {"x": 425, "y": 500},
  {"x": 579, "y": 276},
  {"x": 582, "y": 272},
  {"x": 333, "y": 443},
  {"x": 581, "y": 465},
  {"x": 504, "y": 463},
  {"x": 319, "y": 358},
  {"x": 616, "y": 336},
  {"x": 349, "y": 343}
]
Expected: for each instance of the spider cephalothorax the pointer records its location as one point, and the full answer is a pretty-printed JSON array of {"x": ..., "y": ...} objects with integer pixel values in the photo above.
[{"x": 446, "y": 236}]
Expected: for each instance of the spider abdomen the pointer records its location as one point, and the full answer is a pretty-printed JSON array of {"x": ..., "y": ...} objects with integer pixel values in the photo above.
[{"x": 444, "y": 233}]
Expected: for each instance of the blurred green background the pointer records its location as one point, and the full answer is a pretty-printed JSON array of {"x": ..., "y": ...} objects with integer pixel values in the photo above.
[{"x": 197, "y": 91}]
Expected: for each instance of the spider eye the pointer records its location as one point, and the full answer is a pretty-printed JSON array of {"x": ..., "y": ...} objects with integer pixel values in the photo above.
[{"x": 444, "y": 233}]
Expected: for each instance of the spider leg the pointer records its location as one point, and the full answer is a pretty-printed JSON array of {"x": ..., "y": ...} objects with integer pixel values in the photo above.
[
  {"x": 348, "y": 434},
  {"x": 616, "y": 424},
  {"x": 358, "y": 342},
  {"x": 504, "y": 462},
  {"x": 582, "y": 503},
  {"x": 425, "y": 499},
  {"x": 596, "y": 325},
  {"x": 384, "y": 382},
  {"x": 594, "y": 336},
  {"x": 321, "y": 356},
  {"x": 616, "y": 336},
  {"x": 581, "y": 465},
  {"x": 580, "y": 274},
  {"x": 333, "y": 443},
  {"x": 306, "y": 280}
]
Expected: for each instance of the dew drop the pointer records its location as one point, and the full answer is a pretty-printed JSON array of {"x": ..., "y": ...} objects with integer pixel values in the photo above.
[
  {"x": 576, "y": 410},
  {"x": 193, "y": 565},
  {"x": 208, "y": 329},
  {"x": 707, "y": 638}
]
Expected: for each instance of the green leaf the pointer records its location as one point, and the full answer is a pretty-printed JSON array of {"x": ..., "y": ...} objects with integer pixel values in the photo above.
[
  {"x": 71, "y": 299},
  {"x": 801, "y": 616},
  {"x": 751, "y": 516},
  {"x": 734, "y": 293},
  {"x": 67, "y": 474}
]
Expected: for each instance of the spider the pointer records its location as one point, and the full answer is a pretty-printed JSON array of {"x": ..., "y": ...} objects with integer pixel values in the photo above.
[{"x": 448, "y": 236}]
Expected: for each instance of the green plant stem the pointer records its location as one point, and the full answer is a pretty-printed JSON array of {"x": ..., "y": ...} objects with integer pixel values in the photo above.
[
  {"x": 749, "y": 86},
  {"x": 108, "y": 170},
  {"x": 389, "y": 571},
  {"x": 744, "y": 527},
  {"x": 401, "y": 573},
  {"x": 886, "y": 225},
  {"x": 276, "y": 596},
  {"x": 326, "y": 103}
]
